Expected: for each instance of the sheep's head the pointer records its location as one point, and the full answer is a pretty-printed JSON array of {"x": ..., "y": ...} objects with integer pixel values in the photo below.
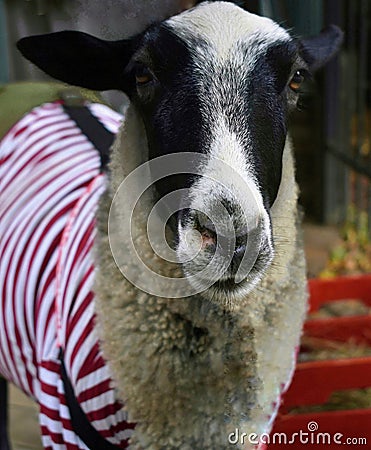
[{"x": 215, "y": 82}]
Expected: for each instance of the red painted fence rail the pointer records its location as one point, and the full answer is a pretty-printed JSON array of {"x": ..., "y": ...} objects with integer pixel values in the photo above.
[{"x": 315, "y": 381}]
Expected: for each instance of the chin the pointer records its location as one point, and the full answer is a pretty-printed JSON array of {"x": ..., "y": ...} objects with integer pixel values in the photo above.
[{"x": 227, "y": 291}]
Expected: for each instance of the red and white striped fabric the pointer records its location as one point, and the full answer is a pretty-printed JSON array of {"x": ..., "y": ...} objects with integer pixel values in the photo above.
[{"x": 50, "y": 183}]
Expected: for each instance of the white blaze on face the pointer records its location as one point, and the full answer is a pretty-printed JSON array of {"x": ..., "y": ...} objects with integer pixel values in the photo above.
[{"x": 228, "y": 177}]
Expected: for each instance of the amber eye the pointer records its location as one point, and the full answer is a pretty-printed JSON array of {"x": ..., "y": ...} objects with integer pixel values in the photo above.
[
  {"x": 296, "y": 81},
  {"x": 143, "y": 75}
]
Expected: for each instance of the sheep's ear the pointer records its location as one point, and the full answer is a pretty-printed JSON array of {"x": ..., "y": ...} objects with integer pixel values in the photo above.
[
  {"x": 79, "y": 58},
  {"x": 317, "y": 50}
]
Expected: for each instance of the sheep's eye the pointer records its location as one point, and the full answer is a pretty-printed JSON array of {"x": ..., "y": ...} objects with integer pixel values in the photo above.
[
  {"x": 297, "y": 80},
  {"x": 143, "y": 76}
]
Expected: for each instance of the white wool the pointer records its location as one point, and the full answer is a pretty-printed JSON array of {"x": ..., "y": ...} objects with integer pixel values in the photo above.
[
  {"x": 180, "y": 403},
  {"x": 222, "y": 25}
]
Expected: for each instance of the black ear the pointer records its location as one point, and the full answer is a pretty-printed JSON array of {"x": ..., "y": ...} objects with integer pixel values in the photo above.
[
  {"x": 317, "y": 50},
  {"x": 79, "y": 58}
]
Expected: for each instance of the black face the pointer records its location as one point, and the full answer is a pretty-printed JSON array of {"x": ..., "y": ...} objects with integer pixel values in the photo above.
[
  {"x": 270, "y": 97},
  {"x": 178, "y": 98},
  {"x": 166, "y": 93},
  {"x": 177, "y": 101}
]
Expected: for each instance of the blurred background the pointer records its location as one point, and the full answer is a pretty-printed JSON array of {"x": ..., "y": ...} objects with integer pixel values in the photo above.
[{"x": 332, "y": 134}]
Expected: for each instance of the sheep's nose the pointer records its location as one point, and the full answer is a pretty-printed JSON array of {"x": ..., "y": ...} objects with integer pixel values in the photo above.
[{"x": 231, "y": 243}]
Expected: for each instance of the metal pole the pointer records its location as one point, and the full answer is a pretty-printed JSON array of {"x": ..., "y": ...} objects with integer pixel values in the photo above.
[{"x": 4, "y": 57}]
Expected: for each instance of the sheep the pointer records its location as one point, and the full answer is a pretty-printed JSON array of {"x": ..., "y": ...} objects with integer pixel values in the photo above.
[{"x": 198, "y": 362}]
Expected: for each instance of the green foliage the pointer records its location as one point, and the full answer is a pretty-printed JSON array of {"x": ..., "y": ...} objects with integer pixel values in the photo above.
[{"x": 353, "y": 255}]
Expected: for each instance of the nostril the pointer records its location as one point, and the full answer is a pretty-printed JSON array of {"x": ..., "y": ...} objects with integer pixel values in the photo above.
[
  {"x": 206, "y": 229},
  {"x": 208, "y": 239},
  {"x": 233, "y": 243},
  {"x": 238, "y": 254},
  {"x": 241, "y": 239}
]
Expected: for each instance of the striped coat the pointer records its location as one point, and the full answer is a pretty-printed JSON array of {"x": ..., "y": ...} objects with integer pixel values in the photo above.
[{"x": 50, "y": 183}]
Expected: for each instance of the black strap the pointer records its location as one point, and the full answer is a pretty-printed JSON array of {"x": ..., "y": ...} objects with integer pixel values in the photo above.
[
  {"x": 4, "y": 440},
  {"x": 98, "y": 135},
  {"x": 80, "y": 423}
]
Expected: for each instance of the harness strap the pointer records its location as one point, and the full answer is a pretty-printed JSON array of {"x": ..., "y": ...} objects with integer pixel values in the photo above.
[
  {"x": 98, "y": 135},
  {"x": 80, "y": 423},
  {"x": 102, "y": 140},
  {"x": 4, "y": 441}
]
